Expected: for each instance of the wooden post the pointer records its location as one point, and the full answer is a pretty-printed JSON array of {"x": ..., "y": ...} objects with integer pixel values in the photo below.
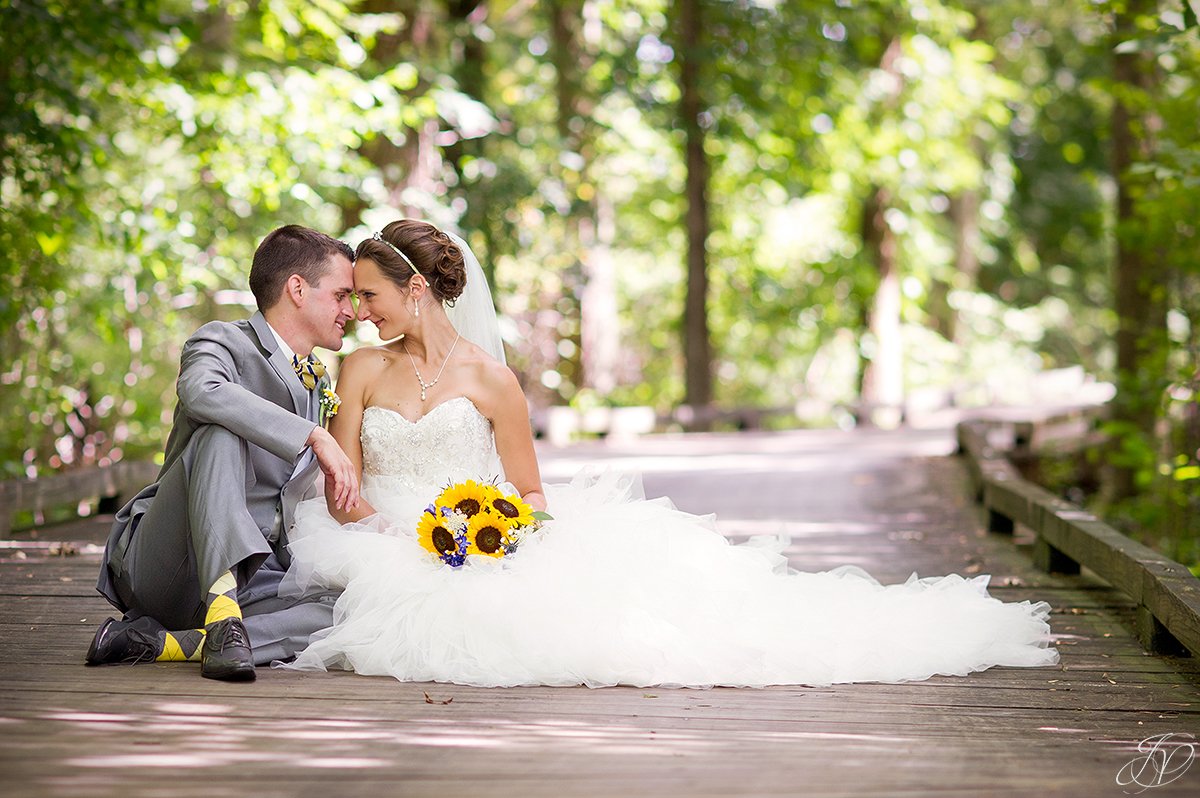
[
  {"x": 1023, "y": 432},
  {"x": 1052, "y": 560},
  {"x": 1154, "y": 636},
  {"x": 109, "y": 504},
  {"x": 999, "y": 522}
]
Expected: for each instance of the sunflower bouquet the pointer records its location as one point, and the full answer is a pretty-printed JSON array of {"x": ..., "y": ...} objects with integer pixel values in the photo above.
[{"x": 476, "y": 518}]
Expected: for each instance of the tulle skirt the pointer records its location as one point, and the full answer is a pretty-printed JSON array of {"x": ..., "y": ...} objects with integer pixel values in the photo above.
[{"x": 621, "y": 590}]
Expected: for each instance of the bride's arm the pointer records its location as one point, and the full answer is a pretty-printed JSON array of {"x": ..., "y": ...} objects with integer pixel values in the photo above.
[
  {"x": 514, "y": 439},
  {"x": 345, "y": 427}
]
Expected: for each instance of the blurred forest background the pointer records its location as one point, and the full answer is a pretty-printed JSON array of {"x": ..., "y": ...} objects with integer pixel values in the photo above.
[{"x": 832, "y": 207}]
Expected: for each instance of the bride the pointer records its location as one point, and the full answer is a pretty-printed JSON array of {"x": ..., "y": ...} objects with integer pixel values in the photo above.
[{"x": 614, "y": 589}]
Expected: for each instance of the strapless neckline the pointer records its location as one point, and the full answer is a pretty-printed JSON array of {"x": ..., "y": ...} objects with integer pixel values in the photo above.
[
  {"x": 450, "y": 441},
  {"x": 433, "y": 410}
]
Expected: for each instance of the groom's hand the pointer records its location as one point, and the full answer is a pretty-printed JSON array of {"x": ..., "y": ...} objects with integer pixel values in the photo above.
[{"x": 340, "y": 473}]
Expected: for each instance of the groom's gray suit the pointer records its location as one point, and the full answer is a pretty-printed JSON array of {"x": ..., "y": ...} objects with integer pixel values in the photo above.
[{"x": 235, "y": 467}]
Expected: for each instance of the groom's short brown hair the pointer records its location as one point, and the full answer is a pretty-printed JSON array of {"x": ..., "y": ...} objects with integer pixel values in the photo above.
[{"x": 289, "y": 250}]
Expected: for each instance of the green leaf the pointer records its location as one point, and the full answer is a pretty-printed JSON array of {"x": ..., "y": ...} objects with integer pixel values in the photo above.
[
  {"x": 49, "y": 244},
  {"x": 1186, "y": 473}
]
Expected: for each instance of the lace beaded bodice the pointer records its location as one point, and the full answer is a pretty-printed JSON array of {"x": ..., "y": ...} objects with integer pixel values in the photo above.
[{"x": 449, "y": 442}]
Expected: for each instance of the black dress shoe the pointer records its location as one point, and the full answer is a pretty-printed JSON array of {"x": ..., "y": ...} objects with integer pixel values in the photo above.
[
  {"x": 117, "y": 642},
  {"x": 226, "y": 653}
]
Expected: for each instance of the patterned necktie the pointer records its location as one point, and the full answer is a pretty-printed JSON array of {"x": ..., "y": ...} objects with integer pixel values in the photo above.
[{"x": 309, "y": 370}]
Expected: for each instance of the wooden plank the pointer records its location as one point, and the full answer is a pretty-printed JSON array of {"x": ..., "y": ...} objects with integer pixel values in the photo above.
[
  {"x": 162, "y": 730},
  {"x": 643, "y": 753}
]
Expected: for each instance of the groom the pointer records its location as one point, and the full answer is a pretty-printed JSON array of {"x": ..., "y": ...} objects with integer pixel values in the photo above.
[{"x": 194, "y": 561}]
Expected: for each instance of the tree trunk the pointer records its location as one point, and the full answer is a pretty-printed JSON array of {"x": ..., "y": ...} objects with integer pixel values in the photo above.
[
  {"x": 697, "y": 348},
  {"x": 601, "y": 325},
  {"x": 470, "y": 51},
  {"x": 882, "y": 393},
  {"x": 419, "y": 154},
  {"x": 575, "y": 30},
  {"x": 468, "y": 55},
  {"x": 964, "y": 215},
  {"x": 412, "y": 168},
  {"x": 1139, "y": 287},
  {"x": 565, "y": 17},
  {"x": 469, "y": 58},
  {"x": 883, "y": 375}
]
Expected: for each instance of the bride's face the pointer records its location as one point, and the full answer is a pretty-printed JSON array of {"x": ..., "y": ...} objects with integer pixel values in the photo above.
[{"x": 381, "y": 301}]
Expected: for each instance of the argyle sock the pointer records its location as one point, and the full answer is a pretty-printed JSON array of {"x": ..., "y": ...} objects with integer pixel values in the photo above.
[
  {"x": 183, "y": 646},
  {"x": 222, "y": 600}
]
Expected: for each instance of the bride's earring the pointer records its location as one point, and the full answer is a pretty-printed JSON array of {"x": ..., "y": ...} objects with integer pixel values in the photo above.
[{"x": 416, "y": 310}]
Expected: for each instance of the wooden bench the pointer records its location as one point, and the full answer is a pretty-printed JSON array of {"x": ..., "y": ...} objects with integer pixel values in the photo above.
[
  {"x": 106, "y": 486},
  {"x": 1067, "y": 537}
]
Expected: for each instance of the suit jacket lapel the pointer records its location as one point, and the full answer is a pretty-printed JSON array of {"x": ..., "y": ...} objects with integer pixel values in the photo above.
[{"x": 280, "y": 363}]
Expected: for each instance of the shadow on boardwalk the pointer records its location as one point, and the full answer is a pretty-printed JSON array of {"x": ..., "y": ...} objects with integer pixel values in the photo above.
[{"x": 892, "y": 503}]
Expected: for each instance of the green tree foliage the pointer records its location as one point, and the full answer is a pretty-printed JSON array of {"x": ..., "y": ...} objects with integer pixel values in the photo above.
[
  {"x": 145, "y": 148},
  {"x": 57, "y": 63},
  {"x": 1156, "y": 423}
]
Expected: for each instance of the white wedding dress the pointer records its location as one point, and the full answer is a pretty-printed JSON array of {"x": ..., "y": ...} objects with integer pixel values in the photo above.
[{"x": 616, "y": 590}]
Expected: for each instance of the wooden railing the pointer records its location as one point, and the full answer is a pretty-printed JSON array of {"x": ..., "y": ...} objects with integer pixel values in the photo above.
[
  {"x": 1068, "y": 537},
  {"x": 108, "y": 486}
]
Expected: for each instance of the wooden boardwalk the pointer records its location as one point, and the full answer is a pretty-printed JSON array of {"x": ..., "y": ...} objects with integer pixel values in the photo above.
[{"x": 892, "y": 503}]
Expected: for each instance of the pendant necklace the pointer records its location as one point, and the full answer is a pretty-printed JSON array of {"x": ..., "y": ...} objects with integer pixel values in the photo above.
[{"x": 427, "y": 385}]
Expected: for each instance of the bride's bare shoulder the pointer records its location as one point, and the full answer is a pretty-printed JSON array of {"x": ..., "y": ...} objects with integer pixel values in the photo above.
[
  {"x": 486, "y": 369},
  {"x": 368, "y": 360},
  {"x": 495, "y": 386}
]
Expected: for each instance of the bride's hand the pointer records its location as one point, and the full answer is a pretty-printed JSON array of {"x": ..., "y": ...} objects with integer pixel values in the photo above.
[
  {"x": 536, "y": 499},
  {"x": 341, "y": 477}
]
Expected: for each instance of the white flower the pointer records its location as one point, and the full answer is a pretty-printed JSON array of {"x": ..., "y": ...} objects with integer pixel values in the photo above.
[{"x": 455, "y": 520}]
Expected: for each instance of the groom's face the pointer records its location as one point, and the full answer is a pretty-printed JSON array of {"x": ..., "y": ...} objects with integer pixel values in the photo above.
[{"x": 327, "y": 305}]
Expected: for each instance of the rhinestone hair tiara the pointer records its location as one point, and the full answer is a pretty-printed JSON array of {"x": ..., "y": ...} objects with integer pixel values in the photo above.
[{"x": 377, "y": 236}]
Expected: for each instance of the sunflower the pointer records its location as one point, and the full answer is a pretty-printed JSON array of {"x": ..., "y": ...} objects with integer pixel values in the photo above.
[
  {"x": 486, "y": 534},
  {"x": 468, "y": 498},
  {"x": 512, "y": 509},
  {"x": 435, "y": 535}
]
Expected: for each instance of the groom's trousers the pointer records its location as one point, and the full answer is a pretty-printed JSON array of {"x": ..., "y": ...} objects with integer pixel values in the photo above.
[{"x": 208, "y": 514}]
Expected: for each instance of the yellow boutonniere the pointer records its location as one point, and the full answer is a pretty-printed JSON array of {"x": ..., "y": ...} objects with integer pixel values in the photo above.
[{"x": 329, "y": 404}]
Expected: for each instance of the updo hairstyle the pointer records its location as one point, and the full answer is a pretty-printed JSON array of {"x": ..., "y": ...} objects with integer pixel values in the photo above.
[{"x": 437, "y": 258}]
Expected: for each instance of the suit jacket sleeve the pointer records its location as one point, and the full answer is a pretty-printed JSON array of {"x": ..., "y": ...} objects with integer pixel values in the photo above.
[{"x": 210, "y": 393}]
